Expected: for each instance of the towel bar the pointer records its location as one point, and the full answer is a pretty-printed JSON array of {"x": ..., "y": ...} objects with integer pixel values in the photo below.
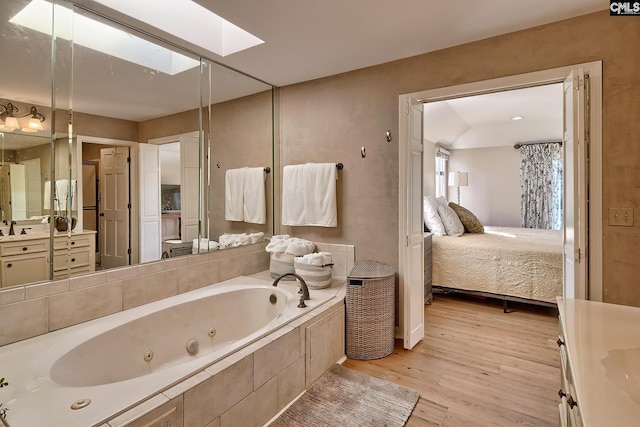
[
  {"x": 267, "y": 169},
  {"x": 339, "y": 166}
]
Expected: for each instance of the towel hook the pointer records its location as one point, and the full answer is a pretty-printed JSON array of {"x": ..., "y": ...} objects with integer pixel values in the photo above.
[
  {"x": 389, "y": 136},
  {"x": 363, "y": 152},
  {"x": 218, "y": 164}
]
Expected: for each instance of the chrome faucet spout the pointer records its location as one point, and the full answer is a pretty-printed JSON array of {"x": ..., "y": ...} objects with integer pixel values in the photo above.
[{"x": 304, "y": 289}]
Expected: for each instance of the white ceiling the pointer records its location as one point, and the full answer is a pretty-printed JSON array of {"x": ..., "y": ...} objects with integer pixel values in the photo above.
[
  {"x": 304, "y": 40},
  {"x": 486, "y": 120}
]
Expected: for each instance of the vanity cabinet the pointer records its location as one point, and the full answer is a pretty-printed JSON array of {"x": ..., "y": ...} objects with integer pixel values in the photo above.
[
  {"x": 26, "y": 259},
  {"x": 74, "y": 255},
  {"x": 568, "y": 406}
]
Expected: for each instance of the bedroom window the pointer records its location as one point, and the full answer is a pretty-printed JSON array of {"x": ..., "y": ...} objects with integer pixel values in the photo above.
[{"x": 442, "y": 160}]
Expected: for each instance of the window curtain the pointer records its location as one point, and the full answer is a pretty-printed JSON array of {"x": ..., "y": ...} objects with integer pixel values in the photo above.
[{"x": 541, "y": 186}]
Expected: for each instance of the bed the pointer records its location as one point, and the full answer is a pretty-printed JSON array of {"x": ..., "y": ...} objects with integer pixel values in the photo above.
[{"x": 504, "y": 262}]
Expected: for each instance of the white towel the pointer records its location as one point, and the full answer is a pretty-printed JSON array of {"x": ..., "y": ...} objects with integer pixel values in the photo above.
[
  {"x": 62, "y": 192},
  {"x": 293, "y": 195},
  {"x": 320, "y": 206},
  {"x": 257, "y": 237},
  {"x": 234, "y": 195},
  {"x": 299, "y": 247},
  {"x": 278, "y": 244},
  {"x": 320, "y": 259},
  {"x": 255, "y": 206}
]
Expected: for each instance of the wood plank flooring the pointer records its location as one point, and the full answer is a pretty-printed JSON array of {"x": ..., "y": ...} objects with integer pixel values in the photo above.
[{"x": 478, "y": 366}]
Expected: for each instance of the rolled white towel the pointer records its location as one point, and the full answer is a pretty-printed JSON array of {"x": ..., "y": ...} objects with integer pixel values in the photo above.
[
  {"x": 278, "y": 244},
  {"x": 299, "y": 247},
  {"x": 243, "y": 239},
  {"x": 257, "y": 237},
  {"x": 226, "y": 240},
  {"x": 320, "y": 259},
  {"x": 213, "y": 245}
]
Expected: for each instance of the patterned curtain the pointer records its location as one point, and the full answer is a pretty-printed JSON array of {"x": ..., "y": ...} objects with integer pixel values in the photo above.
[{"x": 541, "y": 186}]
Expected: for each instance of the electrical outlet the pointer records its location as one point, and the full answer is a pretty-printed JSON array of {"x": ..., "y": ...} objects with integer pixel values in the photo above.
[{"x": 621, "y": 217}]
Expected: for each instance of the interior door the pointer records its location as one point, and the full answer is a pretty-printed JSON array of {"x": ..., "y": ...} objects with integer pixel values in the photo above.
[
  {"x": 33, "y": 183},
  {"x": 17, "y": 179},
  {"x": 150, "y": 214},
  {"x": 575, "y": 187},
  {"x": 189, "y": 187},
  {"x": 412, "y": 229},
  {"x": 114, "y": 207}
]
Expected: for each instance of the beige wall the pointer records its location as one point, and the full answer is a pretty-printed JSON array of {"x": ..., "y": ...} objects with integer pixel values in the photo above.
[
  {"x": 330, "y": 119},
  {"x": 493, "y": 193}
]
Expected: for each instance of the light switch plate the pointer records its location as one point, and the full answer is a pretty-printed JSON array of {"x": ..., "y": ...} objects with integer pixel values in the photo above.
[{"x": 621, "y": 217}]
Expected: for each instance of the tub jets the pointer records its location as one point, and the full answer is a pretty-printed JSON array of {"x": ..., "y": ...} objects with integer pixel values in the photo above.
[{"x": 192, "y": 346}]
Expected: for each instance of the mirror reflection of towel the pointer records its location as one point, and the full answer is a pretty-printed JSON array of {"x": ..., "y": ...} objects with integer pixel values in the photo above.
[{"x": 62, "y": 192}]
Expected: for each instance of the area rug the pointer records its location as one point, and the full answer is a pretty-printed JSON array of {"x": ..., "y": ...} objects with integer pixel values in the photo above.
[{"x": 343, "y": 397}]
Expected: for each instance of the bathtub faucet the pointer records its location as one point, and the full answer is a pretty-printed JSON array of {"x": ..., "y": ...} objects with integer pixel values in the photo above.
[{"x": 304, "y": 289}]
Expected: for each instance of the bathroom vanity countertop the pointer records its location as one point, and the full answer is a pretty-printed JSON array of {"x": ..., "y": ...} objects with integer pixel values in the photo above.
[{"x": 603, "y": 347}]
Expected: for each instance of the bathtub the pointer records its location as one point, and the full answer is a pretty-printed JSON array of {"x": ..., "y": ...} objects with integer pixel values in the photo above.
[{"x": 107, "y": 365}]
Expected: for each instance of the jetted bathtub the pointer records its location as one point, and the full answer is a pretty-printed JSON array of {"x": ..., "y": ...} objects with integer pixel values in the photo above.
[{"x": 120, "y": 360}]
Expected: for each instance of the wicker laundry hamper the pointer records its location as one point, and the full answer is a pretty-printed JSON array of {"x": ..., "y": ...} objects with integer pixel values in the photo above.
[{"x": 370, "y": 310}]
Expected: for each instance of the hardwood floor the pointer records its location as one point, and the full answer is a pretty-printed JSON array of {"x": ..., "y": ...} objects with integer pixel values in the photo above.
[{"x": 478, "y": 366}]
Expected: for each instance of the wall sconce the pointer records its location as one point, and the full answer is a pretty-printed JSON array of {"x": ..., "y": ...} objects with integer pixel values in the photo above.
[
  {"x": 11, "y": 119},
  {"x": 458, "y": 179}
]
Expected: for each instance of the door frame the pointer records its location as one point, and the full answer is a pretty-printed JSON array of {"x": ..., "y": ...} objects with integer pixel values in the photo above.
[
  {"x": 133, "y": 184},
  {"x": 554, "y": 75}
]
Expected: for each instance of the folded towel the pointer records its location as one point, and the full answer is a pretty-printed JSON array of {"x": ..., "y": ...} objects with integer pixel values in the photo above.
[
  {"x": 320, "y": 206},
  {"x": 278, "y": 244},
  {"x": 298, "y": 247},
  {"x": 234, "y": 194},
  {"x": 257, "y": 237},
  {"x": 255, "y": 206},
  {"x": 320, "y": 259},
  {"x": 243, "y": 239},
  {"x": 293, "y": 208},
  {"x": 206, "y": 245}
]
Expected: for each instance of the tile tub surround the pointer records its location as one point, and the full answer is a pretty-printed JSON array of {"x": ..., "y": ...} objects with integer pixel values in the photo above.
[
  {"x": 247, "y": 387},
  {"x": 44, "y": 307}
]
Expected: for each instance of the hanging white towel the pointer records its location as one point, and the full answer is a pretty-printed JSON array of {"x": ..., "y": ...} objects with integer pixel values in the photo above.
[
  {"x": 234, "y": 195},
  {"x": 293, "y": 195},
  {"x": 62, "y": 192},
  {"x": 255, "y": 206},
  {"x": 320, "y": 194}
]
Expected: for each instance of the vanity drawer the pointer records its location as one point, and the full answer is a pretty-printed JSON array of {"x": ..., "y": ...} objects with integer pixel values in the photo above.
[
  {"x": 75, "y": 241},
  {"x": 24, "y": 268},
  {"x": 24, "y": 247},
  {"x": 74, "y": 259}
]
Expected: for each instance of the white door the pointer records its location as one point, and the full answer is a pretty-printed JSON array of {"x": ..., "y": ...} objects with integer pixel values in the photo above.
[
  {"x": 114, "y": 207},
  {"x": 150, "y": 219},
  {"x": 189, "y": 187},
  {"x": 33, "y": 182},
  {"x": 18, "y": 183},
  {"x": 411, "y": 274},
  {"x": 575, "y": 186}
]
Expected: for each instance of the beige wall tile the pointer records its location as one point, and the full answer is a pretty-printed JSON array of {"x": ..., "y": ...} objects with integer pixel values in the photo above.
[
  {"x": 291, "y": 382},
  {"x": 208, "y": 400},
  {"x": 214, "y": 423},
  {"x": 196, "y": 276},
  {"x": 45, "y": 289},
  {"x": 254, "y": 411},
  {"x": 234, "y": 267},
  {"x": 276, "y": 356},
  {"x": 24, "y": 319},
  {"x": 71, "y": 308},
  {"x": 136, "y": 415},
  {"x": 149, "y": 288},
  {"x": 122, "y": 273},
  {"x": 87, "y": 280},
  {"x": 9, "y": 296},
  {"x": 259, "y": 261}
]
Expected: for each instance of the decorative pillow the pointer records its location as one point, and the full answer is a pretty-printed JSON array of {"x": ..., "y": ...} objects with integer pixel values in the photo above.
[
  {"x": 471, "y": 223},
  {"x": 451, "y": 222},
  {"x": 431, "y": 218},
  {"x": 442, "y": 201}
]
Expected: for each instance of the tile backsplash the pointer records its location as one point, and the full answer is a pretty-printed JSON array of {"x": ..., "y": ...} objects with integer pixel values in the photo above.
[{"x": 37, "y": 309}]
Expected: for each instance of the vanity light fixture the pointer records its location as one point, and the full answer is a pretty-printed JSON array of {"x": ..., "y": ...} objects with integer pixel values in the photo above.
[{"x": 11, "y": 120}]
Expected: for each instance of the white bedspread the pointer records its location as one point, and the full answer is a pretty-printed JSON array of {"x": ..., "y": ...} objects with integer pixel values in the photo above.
[{"x": 520, "y": 262}]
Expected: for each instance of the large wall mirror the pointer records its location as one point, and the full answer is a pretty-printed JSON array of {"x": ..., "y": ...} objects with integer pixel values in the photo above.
[{"x": 135, "y": 145}]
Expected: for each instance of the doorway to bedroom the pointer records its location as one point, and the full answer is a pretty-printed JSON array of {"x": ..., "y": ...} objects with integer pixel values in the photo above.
[{"x": 582, "y": 224}]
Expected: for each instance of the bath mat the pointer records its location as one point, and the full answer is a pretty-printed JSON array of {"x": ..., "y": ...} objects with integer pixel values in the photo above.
[{"x": 347, "y": 398}]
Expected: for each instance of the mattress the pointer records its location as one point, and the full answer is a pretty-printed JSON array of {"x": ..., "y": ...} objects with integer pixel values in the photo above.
[{"x": 518, "y": 262}]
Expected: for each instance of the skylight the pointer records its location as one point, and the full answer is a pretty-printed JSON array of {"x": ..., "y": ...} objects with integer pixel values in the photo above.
[
  {"x": 100, "y": 37},
  {"x": 189, "y": 21}
]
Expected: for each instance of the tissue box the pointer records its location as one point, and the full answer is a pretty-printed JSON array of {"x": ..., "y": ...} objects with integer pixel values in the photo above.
[
  {"x": 316, "y": 276},
  {"x": 281, "y": 263}
]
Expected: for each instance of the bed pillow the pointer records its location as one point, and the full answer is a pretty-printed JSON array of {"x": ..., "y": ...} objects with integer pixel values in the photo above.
[
  {"x": 431, "y": 218},
  {"x": 452, "y": 223},
  {"x": 470, "y": 222},
  {"x": 442, "y": 201}
]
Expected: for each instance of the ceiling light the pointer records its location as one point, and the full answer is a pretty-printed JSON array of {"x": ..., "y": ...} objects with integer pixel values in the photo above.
[
  {"x": 95, "y": 35},
  {"x": 517, "y": 117}
]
